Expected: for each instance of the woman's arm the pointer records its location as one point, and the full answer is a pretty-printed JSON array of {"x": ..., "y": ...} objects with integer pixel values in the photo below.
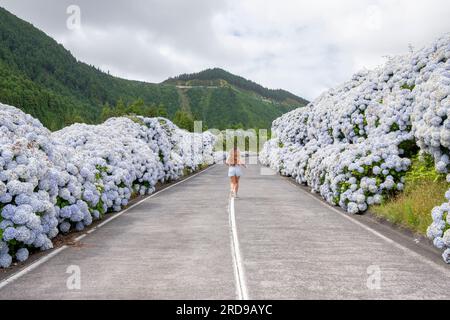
[
  {"x": 241, "y": 163},
  {"x": 228, "y": 160}
]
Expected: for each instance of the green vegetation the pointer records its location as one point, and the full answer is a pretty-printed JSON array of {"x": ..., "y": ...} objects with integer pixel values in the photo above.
[
  {"x": 394, "y": 127},
  {"x": 42, "y": 78},
  {"x": 406, "y": 87},
  {"x": 138, "y": 107},
  {"x": 229, "y": 108},
  {"x": 246, "y": 140},
  {"x": 219, "y": 77},
  {"x": 181, "y": 118},
  {"x": 424, "y": 189},
  {"x": 184, "y": 120}
]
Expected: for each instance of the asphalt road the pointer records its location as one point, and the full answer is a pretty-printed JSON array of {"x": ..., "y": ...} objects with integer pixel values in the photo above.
[{"x": 275, "y": 241}]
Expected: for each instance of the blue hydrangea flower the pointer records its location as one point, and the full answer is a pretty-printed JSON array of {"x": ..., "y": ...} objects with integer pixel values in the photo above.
[
  {"x": 39, "y": 240},
  {"x": 76, "y": 214},
  {"x": 79, "y": 226},
  {"x": 22, "y": 254},
  {"x": 23, "y": 214},
  {"x": 8, "y": 211},
  {"x": 23, "y": 234},
  {"x": 9, "y": 234},
  {"x": 6, "y": 198},
  {"x": 5, "y": 260},
  {"x": 5, "y": 224},
  {"x": 65, "y": 212},
  {"x": 446, "y": 256},
  {"x": 439, "y": 243},
  {"x": 62, "y": 176},
  {"x": 64, "y": 227}
]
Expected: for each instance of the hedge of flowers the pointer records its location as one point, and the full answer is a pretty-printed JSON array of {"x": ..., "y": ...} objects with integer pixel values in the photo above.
[
  {"x": 52, "y": 183},
  {"x": 353, "y": 144}
]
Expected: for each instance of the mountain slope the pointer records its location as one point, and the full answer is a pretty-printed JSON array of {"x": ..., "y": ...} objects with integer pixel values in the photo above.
[
  {"x": 42, "y": 78},
  {"x": 220, "y": 77}
]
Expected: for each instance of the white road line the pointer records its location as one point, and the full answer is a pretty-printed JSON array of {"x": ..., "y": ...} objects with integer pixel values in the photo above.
[
  {"x": 431, "y": 263},
  {"x": 80, "y": 237},
  {"x": 52, "y": 254},
  {"x": 32, "y": 266},
  {"x": 239, "y": 274}
]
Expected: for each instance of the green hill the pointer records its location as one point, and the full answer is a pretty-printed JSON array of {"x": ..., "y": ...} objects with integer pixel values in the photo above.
[
  {"x": 42, "y": 78},
  {"x": 220, "y": 77}
]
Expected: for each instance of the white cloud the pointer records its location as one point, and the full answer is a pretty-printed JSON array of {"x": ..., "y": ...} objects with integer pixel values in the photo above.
[{"x": 301, "y": 46}]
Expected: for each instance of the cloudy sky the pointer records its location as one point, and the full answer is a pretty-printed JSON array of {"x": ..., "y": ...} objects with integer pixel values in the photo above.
[{"x": 302, "y": 46}]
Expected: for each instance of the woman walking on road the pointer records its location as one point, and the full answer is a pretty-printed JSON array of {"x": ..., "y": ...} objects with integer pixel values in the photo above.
[{"x": 235, "y": 163}]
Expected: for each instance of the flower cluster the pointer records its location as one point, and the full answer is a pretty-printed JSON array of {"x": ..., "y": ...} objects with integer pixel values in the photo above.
[
  {"x": 353, "y": 144},
  {"x": 56, "y": 182}
]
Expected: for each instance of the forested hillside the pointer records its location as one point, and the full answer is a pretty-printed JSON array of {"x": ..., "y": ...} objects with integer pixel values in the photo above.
[
  {"x": 212, "y": 77},
  {"x": 42, "y": 78}
]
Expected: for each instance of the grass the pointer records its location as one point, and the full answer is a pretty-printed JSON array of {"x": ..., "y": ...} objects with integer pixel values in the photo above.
[{"x": 424, "y": 189}]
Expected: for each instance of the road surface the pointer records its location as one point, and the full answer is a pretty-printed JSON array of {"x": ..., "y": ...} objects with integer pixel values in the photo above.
[{"x": 191, "y": 241}]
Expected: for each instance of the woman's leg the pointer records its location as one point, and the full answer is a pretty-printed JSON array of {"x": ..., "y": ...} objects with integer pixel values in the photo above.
[
  {"x": 236, "y": 187},
  {"x": 236, "y": 184},
  {"x": 231, "y": 184}
]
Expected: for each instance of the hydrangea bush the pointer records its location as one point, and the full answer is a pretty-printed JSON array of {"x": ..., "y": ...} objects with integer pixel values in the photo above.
[
  {"x": 354, "y": 143},
  {"x": 53, "y": 183}
]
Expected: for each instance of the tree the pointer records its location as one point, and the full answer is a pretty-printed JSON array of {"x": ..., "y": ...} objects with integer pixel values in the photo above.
[
  {"x": 137, "y": 107},
  {"x": 184, "y": 120},
  {"x": 120, "y": 109},
  {"x": 162, "y": 111},
  {"x": 106, "y": 112}
]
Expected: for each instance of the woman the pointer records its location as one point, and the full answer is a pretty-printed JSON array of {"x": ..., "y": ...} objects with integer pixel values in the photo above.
[{"x": 234, "y": 163}]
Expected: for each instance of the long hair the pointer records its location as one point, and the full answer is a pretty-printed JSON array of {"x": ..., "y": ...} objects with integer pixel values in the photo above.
[{"x": 234, "y": 156}]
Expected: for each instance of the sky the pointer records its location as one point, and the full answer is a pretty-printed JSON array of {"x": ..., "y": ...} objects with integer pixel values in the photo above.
[{"x": 302, "y": 46}]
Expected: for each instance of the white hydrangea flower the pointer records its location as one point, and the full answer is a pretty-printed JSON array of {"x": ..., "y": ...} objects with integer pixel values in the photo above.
[
  {"x": 351, "y": 144},
  {"x": 66, "y": 179}
]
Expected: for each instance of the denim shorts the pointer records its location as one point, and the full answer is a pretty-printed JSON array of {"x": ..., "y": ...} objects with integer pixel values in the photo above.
[{"x": 234, "y": 171}]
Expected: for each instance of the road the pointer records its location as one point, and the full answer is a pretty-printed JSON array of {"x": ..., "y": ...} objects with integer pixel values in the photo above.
[{"x": 190, "y": 241}]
